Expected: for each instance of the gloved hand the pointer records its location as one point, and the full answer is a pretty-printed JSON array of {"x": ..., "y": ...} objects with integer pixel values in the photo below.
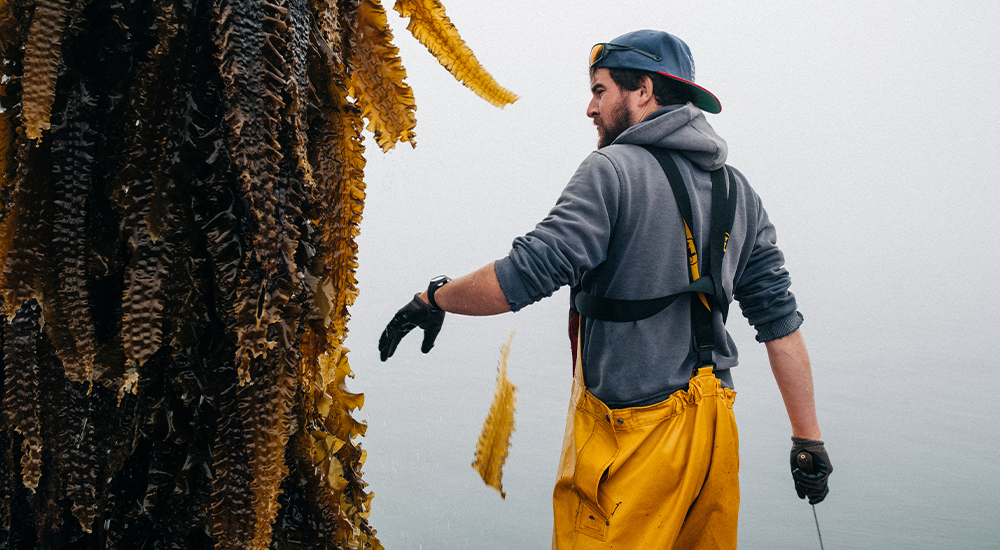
[
  {"x": 810, "y": 469},
  {"x": 417, "y": 313}
]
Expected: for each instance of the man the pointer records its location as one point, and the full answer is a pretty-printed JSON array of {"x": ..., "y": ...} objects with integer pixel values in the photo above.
[{"x": 651, "y": 221}]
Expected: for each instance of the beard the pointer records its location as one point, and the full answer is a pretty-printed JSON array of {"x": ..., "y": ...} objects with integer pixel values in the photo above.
[{"x": 610, "y": 127}]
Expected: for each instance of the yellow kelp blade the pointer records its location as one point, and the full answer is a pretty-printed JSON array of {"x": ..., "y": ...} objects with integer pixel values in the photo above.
[
  {"x": 385, "y": 100},
  {"x": 430, "y": 25},
  {"x": 491, "y": 449}
]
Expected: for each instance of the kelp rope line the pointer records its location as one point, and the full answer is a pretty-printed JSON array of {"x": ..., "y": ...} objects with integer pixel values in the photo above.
[{"x": 181, "y": 183}]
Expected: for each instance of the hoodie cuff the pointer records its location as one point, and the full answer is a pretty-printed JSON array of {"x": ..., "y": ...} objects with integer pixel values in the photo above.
[
  {"x": 510, "y": 283},
  {"x": 779, "y": 328}
]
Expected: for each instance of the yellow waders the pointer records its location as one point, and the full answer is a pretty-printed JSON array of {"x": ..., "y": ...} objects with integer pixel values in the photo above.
[{"x": 658, "y": 477}]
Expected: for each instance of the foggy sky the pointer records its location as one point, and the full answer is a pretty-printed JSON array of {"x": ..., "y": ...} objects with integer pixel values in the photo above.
[{"x": 867, "y": 128}]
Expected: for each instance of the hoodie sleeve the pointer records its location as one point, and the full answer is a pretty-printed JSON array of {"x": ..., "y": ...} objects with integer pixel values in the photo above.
[
  {"x": 762, "y": 290},
  {"x": 570, "y": 240}
]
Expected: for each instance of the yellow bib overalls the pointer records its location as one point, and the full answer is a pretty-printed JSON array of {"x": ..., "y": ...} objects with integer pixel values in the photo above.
[{"x": 658, "y": 477}]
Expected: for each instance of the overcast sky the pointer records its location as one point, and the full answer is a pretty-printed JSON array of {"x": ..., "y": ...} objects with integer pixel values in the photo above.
[{"x": 868, "y": 128}]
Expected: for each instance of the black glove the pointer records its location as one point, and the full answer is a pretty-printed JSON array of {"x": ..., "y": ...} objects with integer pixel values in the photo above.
[
  {"x": 415, "y": 314},
  {"x": 810, "y": 469}
]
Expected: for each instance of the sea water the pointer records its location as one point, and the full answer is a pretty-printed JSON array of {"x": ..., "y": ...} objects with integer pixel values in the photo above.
[{"x": 908, "y": 413}]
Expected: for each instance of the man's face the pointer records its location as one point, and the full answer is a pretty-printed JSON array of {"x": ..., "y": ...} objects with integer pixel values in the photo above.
[{"x": 609, "y": 107}]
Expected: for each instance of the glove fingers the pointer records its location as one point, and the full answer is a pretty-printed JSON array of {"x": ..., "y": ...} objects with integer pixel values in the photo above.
[
  {"x": 817, "y": 498},
  {"x": 812, "y": 485},
  {"x": 393, "y": 334},
  {"x": 428, "y": 342},
  {"x": 387, "y": 344},
  {"x": 811, "y": 482},
  {"x": 432, "y": 327},
  {"x": 430, "y": 334},
  {"x": 806, "y": 477}
]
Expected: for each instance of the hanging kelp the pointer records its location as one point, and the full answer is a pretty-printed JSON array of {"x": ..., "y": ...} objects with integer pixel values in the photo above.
[
  {"x": 494, "y": 441},
  {"x": 181, "y": 183}
]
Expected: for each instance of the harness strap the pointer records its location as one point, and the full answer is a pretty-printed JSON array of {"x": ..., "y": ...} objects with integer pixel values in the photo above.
[
  {"x": 624, "y": 311},
  {"x": 708, "y": 288},
  {"x": 724, "y": 197}
]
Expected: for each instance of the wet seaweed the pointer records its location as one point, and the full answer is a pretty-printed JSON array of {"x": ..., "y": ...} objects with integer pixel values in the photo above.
[{"x": 181, "y": 187}]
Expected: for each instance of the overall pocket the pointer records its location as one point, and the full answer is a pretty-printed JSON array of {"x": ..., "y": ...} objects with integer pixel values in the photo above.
[{"x": 597, "y": 448}]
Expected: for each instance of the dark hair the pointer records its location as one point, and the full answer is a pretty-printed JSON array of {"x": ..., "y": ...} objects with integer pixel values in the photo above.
[{"x": 666, "y": 90}]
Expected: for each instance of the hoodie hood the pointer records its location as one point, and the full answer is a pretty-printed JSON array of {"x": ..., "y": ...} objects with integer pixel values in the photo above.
[{"x": 683, "y": 129}]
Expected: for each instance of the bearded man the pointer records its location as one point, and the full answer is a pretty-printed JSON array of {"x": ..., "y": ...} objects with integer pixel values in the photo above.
[{"x": 656, "y": 236}]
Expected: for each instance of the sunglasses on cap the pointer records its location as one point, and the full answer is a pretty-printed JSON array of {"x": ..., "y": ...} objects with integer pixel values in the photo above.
[{"x": 600, "y": 51}]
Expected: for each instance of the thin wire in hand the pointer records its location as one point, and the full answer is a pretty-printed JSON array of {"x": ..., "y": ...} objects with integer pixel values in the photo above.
[{"x": 817, "y": 528}]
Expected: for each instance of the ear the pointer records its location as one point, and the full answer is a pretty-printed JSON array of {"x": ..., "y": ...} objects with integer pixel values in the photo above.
[{"x": 646, "y": 91}]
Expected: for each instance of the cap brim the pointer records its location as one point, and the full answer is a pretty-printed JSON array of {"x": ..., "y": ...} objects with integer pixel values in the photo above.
[{"x": 703, "y": 99}]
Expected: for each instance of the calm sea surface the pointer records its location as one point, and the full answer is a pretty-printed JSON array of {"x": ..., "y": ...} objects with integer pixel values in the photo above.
[{"x": 907, "y": 410}]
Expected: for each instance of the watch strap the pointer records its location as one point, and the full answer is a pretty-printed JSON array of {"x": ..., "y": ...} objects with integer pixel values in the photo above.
[{"x": 436, "y": 283}]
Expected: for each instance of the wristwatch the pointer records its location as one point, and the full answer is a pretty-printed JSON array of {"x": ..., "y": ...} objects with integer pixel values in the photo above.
[{"x": 436, "y": 283}]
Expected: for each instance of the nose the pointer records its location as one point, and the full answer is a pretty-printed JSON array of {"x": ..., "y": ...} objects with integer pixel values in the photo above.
[{"x": 593, "y": 110}]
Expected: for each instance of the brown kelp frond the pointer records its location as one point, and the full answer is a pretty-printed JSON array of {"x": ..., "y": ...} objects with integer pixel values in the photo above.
[
  {"x": 162, "y": 299},
  {"x": 78, "y": 454},
  {"x": 181, "y": 188},
  {"x": 8, "y": 229},
  {"x": 385, "y": 100},
  {"x": 355, "y": 502},
  {"x": 68, "y": 322},
  {"x": 30, "y": 227},
  {"x": 142, "y": 303},
  {"x": 239, "y": 36},
  {"x": 22, "y": 397},
  {"x": 173, "y": 435},
  {"x": 494, "y": 441},
  {"x": 266, "y": 407},
  {"x": 430, "y": 25},
  {"x": 14, "y": 24},
  {"x": 298, "y": 90},
  {"x": 231, "y": 513},
  {"x": 9, "y": 97},
  {"x": 255, "y": 62},
  {"x": 328, "y": 30},
  {"x": 8, "y": 148},
  {"x": 250, "y": 41},
  {"x": 309, "y": 515},
  {"x": 41, "y": 64},
  {"x": 137, "y": 192}
]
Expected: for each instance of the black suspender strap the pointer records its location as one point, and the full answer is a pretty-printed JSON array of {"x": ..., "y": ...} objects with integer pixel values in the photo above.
[
  {"x": 724, "y": 198},
  {"x": 708, "y": 287}
]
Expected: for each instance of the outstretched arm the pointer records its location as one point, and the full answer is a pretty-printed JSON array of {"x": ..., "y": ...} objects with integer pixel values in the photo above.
[{"x": 477, "y": 293}]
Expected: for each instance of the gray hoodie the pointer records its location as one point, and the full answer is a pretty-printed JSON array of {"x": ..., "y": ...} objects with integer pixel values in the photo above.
[{"x": 616, "y": 230}]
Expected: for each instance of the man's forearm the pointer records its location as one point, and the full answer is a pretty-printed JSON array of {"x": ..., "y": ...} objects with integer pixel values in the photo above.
[
  {"x": 790, "y": 365},
  {"x": 477, "y": 293}
]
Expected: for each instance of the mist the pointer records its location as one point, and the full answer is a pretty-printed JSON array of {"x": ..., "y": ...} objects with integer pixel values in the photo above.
[{"x": 867, "y": 128}]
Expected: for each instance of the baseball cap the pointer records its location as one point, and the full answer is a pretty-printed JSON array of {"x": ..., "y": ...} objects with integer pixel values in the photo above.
[{"x": 658, "y": 52}]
